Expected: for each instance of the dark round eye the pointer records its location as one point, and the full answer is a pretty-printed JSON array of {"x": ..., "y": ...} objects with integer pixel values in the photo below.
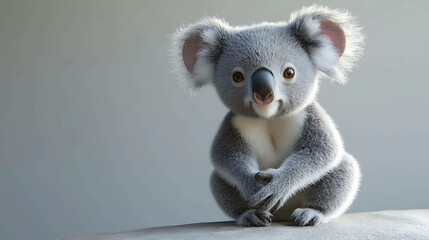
[
  {"x": 237, "y": 77},
  {"x": 289, "y": 73}
]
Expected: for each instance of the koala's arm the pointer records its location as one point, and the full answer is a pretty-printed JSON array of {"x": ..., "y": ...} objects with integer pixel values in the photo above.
[
  {"x": 233, "y": 159},
  {"x": 317, "y": 151}
]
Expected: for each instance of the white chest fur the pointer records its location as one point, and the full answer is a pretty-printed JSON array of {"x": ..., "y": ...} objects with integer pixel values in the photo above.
[{"x": 271, "y": 140}]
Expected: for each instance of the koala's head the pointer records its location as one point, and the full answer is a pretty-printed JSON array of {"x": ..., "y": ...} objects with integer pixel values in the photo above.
[{"x": 269, "y": 69}]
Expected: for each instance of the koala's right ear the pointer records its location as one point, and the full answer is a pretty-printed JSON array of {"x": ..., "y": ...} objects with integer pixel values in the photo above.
[{"x": 195, "y": 49}]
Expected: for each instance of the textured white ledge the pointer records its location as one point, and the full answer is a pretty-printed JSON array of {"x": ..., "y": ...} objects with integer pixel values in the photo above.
[{"x": 401, "y": 224}]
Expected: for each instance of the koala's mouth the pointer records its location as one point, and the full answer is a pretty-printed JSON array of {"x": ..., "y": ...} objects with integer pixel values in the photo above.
[{"x": 266, "y": 110}]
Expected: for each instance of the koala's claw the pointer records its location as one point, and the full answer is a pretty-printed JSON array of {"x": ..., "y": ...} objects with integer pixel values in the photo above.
[
  {"x": 266, "y": 217},
  {"x": 272, "y": 195},
  {"x": 306, "y": 217},
  {"x": 263, "y": 178},
  {"x": 253, "y": 218}
]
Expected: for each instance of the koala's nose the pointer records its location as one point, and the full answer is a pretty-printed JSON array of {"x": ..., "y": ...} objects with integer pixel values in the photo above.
[{"x": 262, "y": 86}]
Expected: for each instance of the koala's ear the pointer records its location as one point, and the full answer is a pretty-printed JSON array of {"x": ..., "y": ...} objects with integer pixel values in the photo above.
[
  {"x": 332, "y": 39},
  {"x": 195, "y": 49}
]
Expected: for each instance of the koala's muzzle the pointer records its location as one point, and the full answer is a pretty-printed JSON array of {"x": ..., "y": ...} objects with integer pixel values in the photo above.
[{"x": 262, "y": 86}]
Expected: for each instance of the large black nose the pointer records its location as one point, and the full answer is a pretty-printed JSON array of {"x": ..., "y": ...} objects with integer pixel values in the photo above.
[{"x": 262, "y": 86}]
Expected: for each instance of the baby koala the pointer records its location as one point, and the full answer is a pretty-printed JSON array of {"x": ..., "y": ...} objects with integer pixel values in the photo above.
[{"x": 277, "y": 153}]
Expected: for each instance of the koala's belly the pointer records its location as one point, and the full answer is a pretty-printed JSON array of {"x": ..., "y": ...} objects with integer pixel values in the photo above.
[{"x": 271, "y": 140}]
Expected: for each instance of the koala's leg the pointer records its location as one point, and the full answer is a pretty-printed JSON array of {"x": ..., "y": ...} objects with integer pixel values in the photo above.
[
  {"x": 330, "y": 196},
  {"x": 233, "y": 204}
]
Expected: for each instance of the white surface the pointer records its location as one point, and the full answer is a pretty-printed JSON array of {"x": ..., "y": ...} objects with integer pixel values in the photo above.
[{"x": 406, "y": 224}]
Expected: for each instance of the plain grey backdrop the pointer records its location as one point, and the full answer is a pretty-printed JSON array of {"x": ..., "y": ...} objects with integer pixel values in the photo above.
[{"x": 96, "y": 135}]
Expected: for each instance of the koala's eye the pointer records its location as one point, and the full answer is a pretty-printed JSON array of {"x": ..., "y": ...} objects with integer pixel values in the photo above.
[
  {"x": 289, "y": 73},
  {"x": 237, "y": 77}
]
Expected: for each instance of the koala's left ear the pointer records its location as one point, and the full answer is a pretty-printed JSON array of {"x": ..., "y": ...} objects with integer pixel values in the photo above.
[
  {"x": 331, "y": 38},
  {"x": 195, "y": 49}
]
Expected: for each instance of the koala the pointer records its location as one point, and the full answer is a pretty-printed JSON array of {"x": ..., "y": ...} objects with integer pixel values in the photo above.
[{"x": 277, "y": 154}]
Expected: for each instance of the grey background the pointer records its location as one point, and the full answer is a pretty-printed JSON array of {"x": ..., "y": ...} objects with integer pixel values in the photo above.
[{"x": 96, "y": 135}]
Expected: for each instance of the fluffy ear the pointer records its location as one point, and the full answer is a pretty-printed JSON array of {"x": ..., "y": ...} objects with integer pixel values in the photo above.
[
  {"x": 195, "y": 49},
  {"x": 332, "y": 39}
]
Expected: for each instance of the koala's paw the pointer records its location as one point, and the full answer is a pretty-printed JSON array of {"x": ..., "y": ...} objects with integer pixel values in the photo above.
[
  {"x": 253, "y": 218},
  {"x": 307, "y": 217},
  {"x": 264, "y": 177},
  {"x": 274, "y": 194}
]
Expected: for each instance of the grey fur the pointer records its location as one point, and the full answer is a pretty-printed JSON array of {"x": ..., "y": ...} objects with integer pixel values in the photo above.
[
  {"x": 229, "y": 147},
  {"x": 317, "y": 174},
  {"x": 316, "y": 152}
]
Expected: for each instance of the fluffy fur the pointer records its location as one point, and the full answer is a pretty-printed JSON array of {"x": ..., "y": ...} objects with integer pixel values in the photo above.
[
  {"x": 285, "y": 159},
  {"x": 211, "y": 30},
  {"x": 308, "y": 17}
]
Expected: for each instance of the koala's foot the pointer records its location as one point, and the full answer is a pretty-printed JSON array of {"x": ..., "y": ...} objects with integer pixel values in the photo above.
[
  {"x": 307, "y": 217},
  {"x": 253, "y": 218}
]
